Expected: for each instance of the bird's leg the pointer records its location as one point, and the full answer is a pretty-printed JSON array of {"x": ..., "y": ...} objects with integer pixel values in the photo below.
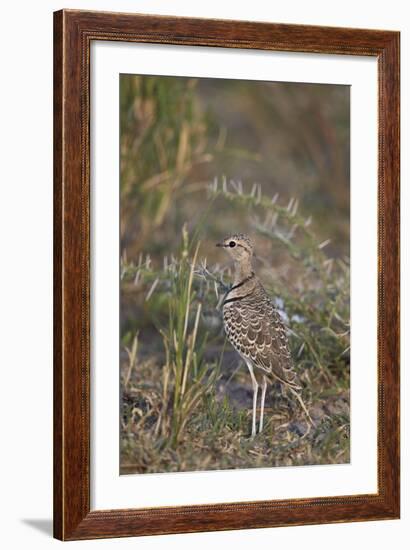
[
  {"x": 255, "y": 397},
  {"x": 262, "y": 403}
]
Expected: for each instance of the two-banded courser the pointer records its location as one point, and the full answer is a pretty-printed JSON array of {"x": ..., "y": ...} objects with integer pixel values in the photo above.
[{"x": 255, "y": 328}]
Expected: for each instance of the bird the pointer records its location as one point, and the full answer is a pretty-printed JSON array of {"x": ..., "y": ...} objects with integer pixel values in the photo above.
[{"x": 255, "y": 329}]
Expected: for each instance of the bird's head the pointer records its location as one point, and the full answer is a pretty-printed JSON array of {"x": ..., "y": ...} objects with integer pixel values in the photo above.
[{"x": 239, "y": 247}]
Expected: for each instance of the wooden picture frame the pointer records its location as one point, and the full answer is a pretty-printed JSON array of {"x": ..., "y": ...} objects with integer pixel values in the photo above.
[{"x": 73, "y": 33}]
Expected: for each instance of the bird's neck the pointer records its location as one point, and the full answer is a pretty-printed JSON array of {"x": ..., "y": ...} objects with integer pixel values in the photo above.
[{"x": 242, "y": 270}]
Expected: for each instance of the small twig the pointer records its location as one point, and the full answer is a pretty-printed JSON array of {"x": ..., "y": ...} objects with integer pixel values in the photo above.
[{"x": 202, "y": 271}]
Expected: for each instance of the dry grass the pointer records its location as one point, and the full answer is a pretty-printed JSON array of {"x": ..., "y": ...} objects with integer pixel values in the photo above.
[{"x": 217, "y": 432}]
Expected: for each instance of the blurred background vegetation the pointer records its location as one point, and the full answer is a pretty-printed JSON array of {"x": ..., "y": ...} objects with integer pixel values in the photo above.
[{"x": 200, "y": 158}]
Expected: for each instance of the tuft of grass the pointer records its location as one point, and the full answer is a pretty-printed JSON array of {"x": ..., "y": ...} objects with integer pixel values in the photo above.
[{"x": 187, "y": 378}]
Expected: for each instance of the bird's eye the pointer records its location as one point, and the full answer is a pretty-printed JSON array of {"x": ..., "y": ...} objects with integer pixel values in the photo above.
[{"x": 232, "y": 244}]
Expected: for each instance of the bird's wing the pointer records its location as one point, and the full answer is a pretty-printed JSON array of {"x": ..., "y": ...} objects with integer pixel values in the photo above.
[{"x": 261, "y": 335}]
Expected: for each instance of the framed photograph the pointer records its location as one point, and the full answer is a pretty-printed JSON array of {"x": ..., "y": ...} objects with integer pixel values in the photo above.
[{"x": 226, "y": 275}]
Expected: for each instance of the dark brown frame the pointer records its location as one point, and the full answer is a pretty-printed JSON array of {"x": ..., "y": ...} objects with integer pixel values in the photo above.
[{"x": 73, "y": 33}]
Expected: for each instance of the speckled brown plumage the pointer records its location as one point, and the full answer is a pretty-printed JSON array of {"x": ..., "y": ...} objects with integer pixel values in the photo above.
[{"x": 256, "y": 331}]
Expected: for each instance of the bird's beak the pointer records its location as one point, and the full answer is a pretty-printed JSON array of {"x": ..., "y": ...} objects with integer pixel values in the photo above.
[{"x": 219, "y": 244}]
